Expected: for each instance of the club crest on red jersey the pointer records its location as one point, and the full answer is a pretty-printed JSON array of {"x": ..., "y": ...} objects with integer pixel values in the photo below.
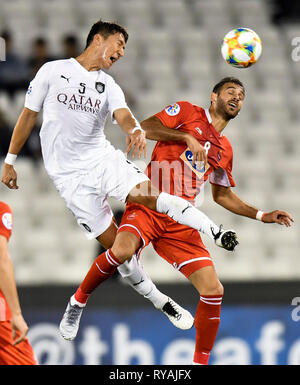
[
  {"x": 173, "y": 109},
  {"x": 132, "y": 215}
]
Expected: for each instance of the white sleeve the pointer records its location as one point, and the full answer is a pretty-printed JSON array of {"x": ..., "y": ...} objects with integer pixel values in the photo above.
[
  {"x": 116, "y": 98},
  {"x": 219, "y": 177},
  {"x": 38, "y": 89}
]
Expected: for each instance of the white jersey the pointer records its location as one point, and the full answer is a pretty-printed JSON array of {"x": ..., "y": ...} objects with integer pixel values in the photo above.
[{"x": 75, "y": 104}]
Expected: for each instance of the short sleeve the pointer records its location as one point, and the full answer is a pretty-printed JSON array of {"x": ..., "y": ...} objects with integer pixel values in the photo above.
[
  {"x": 174, "y": 115},
  {"x": 6, "y": 220},
  {"x": 38, "y": 88},
  {"x": 116, "y": 98},
  {"x": 222, "y": 177}
]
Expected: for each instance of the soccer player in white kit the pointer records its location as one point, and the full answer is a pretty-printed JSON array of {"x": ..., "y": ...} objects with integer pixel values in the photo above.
[{"x": 76, "y": 97}]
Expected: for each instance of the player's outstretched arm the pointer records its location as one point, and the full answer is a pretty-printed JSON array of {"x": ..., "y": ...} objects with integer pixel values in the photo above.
[
  {"x": 8, "y": 288},
  {"x": 225, "y": 197},
  {"x": 22, "y": 130},
  {"x": 155, "y": 130}
]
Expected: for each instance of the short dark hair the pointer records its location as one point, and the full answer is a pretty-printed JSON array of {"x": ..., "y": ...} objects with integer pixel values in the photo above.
[
  {"x": 228, "y": 79},
  {"x": 105, "y": 29}
]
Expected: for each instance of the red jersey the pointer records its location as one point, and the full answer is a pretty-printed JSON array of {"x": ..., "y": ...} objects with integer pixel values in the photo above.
[
  {"x": 6, "y": 225},
  {"x": 171, "y": 169}
]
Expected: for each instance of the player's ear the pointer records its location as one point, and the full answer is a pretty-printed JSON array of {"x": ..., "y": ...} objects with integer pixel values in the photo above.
[
  {"x": 213, "y": 97},
  {"x": 98, "y": 39}
]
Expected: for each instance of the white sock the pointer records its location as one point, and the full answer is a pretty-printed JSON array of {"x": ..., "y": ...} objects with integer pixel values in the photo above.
[
  {"x": 157, "y": 297},
  {"x": 133, "y": 273},
  {"x": 186, "y": 214}
]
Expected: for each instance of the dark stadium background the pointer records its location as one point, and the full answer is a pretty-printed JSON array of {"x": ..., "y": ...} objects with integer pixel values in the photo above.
[{"x": 173, "y": 54}]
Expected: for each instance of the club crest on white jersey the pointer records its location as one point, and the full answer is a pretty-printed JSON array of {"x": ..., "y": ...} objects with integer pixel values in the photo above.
[{"x": 173, "y": 109}]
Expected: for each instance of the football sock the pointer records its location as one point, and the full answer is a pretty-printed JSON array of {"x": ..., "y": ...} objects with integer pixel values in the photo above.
[
  {"x": 207, "y": 320},
  {"x": 103, "y": 267},
  {"x": 133, "y": 273},
  {"x": 186, "y": 214}
]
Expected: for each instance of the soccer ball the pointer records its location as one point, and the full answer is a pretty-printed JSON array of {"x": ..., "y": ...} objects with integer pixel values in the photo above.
[{"x": 241, "y": 47}]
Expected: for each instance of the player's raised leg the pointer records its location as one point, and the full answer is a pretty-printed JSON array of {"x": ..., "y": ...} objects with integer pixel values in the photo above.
[
  {"x": 132, "y": 272},
  {"x": 208, "y": 313},
  {"x": 182, "y": 212}
]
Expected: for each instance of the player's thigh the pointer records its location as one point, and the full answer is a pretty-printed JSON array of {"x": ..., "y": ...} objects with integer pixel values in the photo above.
[
  {"x": 145, "y": 194},
  {"x": 206, "y": 281},
  {"x": 143, "y": 223},
  {"x": 120, "y": 176},
  {"x": 88, "y": 204},
  {"x": 108, "y": 237},
  {"x": 183, "y": 248}
]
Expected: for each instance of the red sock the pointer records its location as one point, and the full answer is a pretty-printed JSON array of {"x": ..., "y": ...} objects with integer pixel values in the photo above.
[
  {"x": 103, "y": 267},
  {"x": 207, "y": 320}
]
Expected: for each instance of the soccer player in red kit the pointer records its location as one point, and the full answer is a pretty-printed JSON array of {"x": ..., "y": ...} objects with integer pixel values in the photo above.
[
  {"x": 15, "y": 348},
  {"x": 178, "y": 244}
]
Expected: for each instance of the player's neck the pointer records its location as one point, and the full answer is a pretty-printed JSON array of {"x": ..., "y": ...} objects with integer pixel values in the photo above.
[
  {"x": 218, "y": 121},
  {"x": 88, "y": 61}
]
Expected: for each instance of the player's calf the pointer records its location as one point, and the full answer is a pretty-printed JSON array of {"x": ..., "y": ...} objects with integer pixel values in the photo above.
[{"x": 208, "y": 313}]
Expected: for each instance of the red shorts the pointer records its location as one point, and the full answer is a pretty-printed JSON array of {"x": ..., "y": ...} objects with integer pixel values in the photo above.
[
  {"x": 21, "y": 354},
  {"x": 180, "y": 245}
]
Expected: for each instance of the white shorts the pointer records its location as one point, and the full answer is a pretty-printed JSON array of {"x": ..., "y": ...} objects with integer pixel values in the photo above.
[{"x": 86, "y": 195}]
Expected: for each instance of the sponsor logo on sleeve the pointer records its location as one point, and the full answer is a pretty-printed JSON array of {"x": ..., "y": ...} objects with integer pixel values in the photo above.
[
  {"x": 7, "y": 221},
  {"x": 173, "y": 109},
  {"x": 29, "y": 89}
]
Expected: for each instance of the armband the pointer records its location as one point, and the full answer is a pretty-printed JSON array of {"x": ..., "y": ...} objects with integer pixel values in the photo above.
[
  {"x": 259, "y": 215},
  {"x": 10, "y": 159}
]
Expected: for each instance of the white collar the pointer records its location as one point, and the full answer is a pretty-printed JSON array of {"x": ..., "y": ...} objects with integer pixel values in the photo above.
[
  {"x": 209, "y": 118},
  {"x": 83, "y": 69},
  {"x": 208, "y": 115}
]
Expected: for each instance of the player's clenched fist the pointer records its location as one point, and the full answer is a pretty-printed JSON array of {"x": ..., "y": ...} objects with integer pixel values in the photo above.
[
  {"x": 278, "y": 216},
  {"x": 137, "y": 142},
  {"x": 9, "y": 176}
]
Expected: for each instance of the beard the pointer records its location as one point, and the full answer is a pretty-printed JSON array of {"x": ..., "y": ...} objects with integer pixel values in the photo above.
[{"x": 223, "y": 109}]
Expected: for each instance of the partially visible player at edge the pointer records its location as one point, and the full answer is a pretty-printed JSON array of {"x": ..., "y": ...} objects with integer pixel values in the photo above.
[
  {"x": 176, "y": 243},
  {"x": 15, "y": 348},
  {"x": 76, "y": 97}
]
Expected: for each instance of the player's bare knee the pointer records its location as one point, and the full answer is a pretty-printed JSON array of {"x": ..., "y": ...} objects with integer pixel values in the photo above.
[
  {"x": 219, "y": 289},
  {"x": 124, "y": 246},
  {"x": 213, "y": 288},
  {"x": 210, "y": 287},
  {"x": 123, "y": 254}
]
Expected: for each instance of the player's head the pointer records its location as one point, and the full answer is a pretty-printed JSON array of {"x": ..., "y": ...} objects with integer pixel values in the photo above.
[
  {"x": 227, "y": 97},
  {"x": 108, "y": 40}
]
